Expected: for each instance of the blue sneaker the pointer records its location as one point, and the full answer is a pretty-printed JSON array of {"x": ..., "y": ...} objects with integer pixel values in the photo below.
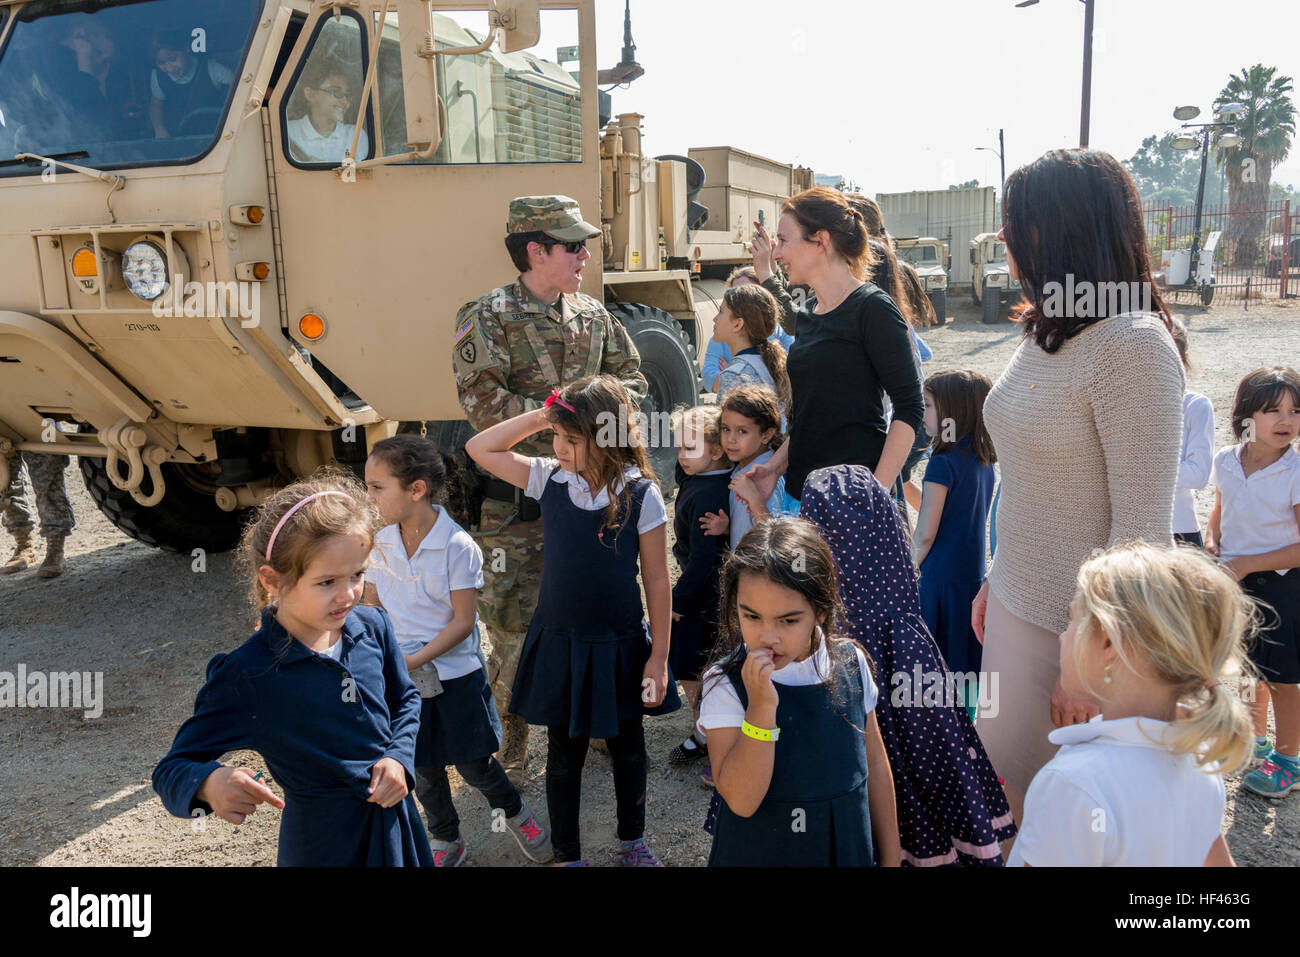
[
  {"x": 1262, "y": 750},
  {"x": 1276, "y": 777}
]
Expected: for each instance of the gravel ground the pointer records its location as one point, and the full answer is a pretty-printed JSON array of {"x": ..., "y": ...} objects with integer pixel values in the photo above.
[{"x": 76, "y": 790}]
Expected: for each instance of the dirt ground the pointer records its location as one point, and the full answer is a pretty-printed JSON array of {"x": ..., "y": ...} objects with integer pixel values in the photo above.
[{"x": 76, "y": 790}]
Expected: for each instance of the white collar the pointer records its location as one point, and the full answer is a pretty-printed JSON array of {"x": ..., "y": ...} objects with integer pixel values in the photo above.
[
  {"x": 812, "y": 670},
  {"x": 1131, "y": 732},
  {"x": 434, "y": 540},
  {"x": 564, "y": 476},
  {"x": 1290, "y": 459}
]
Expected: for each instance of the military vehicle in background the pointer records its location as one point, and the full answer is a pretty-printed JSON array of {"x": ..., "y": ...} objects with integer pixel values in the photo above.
[
  {"x": 992, "y": 287},
  {"x": 930, "y": 258},
  {"x": 208, "y": 295}
]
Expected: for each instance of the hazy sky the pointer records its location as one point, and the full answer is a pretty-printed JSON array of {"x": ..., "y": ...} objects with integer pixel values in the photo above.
[{"x": 896, "y": 94}]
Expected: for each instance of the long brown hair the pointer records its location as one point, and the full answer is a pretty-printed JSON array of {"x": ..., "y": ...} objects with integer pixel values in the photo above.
[
  {"x": 758, "y": 309},
  {"x": 1075, "y": 213},
  {"x": 959, "y": 396},
  {"x": 885, "y": 273},
  {"x": 602, "y": 413},
  {"x": 918, "y": 303},
  {"x": 826, "y": 209}
]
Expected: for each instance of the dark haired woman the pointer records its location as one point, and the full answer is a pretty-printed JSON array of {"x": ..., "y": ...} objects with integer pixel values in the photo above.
[
  {"x": 1087, "y": 421},
  {"x": 851, "y": 350}
]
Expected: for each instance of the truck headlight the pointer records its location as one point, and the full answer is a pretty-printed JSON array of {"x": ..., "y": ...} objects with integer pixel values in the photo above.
[{"x": 144, "y": 268}]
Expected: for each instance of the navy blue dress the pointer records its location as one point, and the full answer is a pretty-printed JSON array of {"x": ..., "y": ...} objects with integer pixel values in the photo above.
[
  {"x": 583, "y": 658},
  {"x": 951, "y": 809},
  {"x": 819, "y": 778},
  {"x": 321, "y": 725},
  {"x": 695, "y": 596},
  {"x": 955, "y": 567}
]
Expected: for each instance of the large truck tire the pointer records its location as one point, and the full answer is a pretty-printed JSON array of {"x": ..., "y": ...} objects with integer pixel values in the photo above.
[
  {"x": 187, "y": 517},
  {"x": 668, "y": 363},
  {"x": 992, "y": 305},
  {"x": 940, "y": 302}
]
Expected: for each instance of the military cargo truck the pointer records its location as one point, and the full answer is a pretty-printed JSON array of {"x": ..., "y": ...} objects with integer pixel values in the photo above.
[
  {"x": 929, "y": 257},
  {"x": 236, "y": 233}
]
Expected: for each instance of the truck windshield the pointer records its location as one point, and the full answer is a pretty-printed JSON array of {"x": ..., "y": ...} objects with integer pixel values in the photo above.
[
  {"x": 919, "y": 254},
  {"x": 999, "y": 251},
  {"x": 131, "y": 83}
]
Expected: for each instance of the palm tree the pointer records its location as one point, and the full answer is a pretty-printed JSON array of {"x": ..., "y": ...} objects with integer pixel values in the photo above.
[{"x": 1266, "y": 129}]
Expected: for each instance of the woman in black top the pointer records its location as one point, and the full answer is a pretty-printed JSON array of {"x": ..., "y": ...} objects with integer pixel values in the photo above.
[{"x": 850, "y": 350}]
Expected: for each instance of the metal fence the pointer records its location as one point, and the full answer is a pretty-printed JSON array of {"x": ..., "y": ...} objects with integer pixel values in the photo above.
[{"x": 1258, "y": 254}]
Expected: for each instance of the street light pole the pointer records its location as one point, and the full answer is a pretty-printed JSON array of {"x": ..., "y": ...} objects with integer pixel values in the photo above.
[
  {"x": 1002, "y": 157},
  {"x": 1085, "y": 109}
]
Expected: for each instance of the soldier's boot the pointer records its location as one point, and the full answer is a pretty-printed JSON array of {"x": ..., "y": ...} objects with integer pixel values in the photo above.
[
  {"x": 24, "y": 555},
  {"x": 52, "y": 567},
  {"x": 514, "y": 748}
]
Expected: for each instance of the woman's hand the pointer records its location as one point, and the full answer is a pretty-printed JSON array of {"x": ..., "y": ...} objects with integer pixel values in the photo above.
[
  {"x": 1067, "y": 710},
  {"x": 764, "y": 479},
  {"x": 715, "y": 523},
  {"x": 1212, "y": 547},
  {"x": 978, "y": 609},
  {"x": 387, "y": 783},
  {"x": 761, "y": 249},
  {"x": 233, "y": 794},
  {"x": 654, "y": 681},
  {"x": 756, "y": 672},
  {"x": 747, "y": 491}
]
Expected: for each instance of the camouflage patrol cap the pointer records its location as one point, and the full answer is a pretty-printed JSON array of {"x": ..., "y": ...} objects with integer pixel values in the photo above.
[{"x": 557, "y": 216}]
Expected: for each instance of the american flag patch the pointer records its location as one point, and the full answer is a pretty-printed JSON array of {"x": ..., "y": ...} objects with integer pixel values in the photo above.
[{"x": 463, "y": 331}]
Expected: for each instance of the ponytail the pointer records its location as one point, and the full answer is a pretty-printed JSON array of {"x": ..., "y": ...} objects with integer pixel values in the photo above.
[{"x": 773, "y": 356}]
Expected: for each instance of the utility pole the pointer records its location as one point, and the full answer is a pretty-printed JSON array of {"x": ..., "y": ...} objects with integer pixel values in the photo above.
[
  {"x": 1086, "y": 108},
  {"x": 1002, "y": 157}
]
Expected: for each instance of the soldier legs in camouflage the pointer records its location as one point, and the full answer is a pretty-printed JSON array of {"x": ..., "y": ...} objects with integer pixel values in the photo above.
[
  {"x": 512, "y": 575},
  {"x": 17, "y": 517},
  {"x": 52, "y": 506}
]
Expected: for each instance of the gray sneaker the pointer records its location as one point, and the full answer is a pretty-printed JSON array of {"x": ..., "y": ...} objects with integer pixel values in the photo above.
[
  {"x": 533, "y": 838},
  {"x": 448, "y": 853}
]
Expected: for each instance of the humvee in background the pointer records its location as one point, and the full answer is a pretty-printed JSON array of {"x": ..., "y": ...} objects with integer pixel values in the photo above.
[
  {"x": 930, "y": 258},
  {"x": 991, "y": 284}
]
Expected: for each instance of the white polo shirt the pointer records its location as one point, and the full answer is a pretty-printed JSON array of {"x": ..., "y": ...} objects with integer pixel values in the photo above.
[
  {"x": 653, "y": 513},
  {"x": 416, "y": 592},
  {"x": 1115, "y": 796},
  {"x": 306, "y": 145},
  {"x": 1196, "y": 460},
  {"x": 721, "y": 708},
  {"x": 1258, "y": 512}
]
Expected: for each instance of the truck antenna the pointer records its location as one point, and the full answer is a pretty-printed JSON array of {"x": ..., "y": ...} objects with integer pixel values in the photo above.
[{"x": 628, "y": 69}]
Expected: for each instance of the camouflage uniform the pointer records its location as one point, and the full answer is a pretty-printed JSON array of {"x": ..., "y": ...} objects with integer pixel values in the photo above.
[
  {"x": 509, "y": 351},
  {"x": 51, "y": 498}
]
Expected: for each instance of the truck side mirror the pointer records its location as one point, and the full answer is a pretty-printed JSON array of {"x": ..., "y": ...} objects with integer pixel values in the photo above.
[
  {"x": 419, "y": 79},
  {"x": 521, "y": 24},
  {"x": 972, "y": 257}
]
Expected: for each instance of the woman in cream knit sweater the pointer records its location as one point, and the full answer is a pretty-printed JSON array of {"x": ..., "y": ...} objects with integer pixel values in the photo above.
[{"x": 1087, "y": 421}]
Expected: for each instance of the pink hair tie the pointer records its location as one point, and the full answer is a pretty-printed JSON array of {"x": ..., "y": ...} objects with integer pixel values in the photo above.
[
  {"x": 554, "y": 399},
  {"x": 289, "y": 514}
]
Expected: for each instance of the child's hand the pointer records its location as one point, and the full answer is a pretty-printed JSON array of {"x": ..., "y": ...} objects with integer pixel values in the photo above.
[
  {"x": 233, "y": 794},
  {"x": 757, "y": 675},
  {"x": 1212, "y": 547},
  {"x": 1236, "y": 568},
  {"x": 387, "y": 783},
  {"x": 715, "y": 523},
  {"x": 654, "y": 682}
]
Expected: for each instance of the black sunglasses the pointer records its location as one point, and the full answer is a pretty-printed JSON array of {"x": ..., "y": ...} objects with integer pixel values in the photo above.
[{"x": 574, "y": 247}]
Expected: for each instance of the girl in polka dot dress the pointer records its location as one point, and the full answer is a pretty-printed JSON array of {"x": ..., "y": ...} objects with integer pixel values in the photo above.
[{"x": 951, "y": 809}]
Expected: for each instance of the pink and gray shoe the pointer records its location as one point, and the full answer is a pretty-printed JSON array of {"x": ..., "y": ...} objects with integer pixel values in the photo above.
[{"x": 634, "y": 854}]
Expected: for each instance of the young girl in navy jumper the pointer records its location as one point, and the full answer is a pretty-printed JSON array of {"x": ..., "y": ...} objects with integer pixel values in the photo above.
[
  {"x": 701, "y": 490},
  {"x": 788, "y": 711},
  {"x": 320, "y": 691},
  {"x": 426, "y": 575},
  {"x": 588, "y": 666},
  {"x": 948, "y": 547},
  {"x": 1153, "y": 634},
  {"x": 1254, "y": 529}
]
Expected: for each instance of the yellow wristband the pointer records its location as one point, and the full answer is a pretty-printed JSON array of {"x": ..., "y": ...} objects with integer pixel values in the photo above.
[{"x": 760, "y": 734}]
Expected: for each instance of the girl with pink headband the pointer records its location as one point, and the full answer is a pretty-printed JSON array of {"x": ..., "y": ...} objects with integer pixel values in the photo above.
[{"x": 320, "y": 691}]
